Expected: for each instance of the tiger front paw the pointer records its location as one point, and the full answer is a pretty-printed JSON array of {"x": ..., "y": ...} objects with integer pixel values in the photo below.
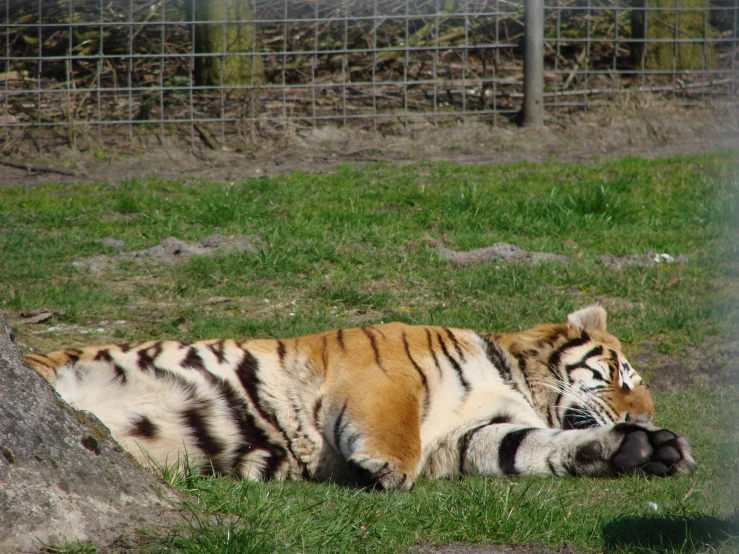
[{"x": 651, "y": 452}]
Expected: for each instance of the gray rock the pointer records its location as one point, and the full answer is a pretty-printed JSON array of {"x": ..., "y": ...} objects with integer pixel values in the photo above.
[{"x": 62, "y": 477}]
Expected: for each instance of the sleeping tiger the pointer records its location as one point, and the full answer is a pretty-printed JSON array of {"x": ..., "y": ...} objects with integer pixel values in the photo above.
[{"x": 379, "y": 405}]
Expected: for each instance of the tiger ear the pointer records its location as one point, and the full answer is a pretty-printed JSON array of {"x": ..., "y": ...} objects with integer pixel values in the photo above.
[{"x": 590, "y": 318}]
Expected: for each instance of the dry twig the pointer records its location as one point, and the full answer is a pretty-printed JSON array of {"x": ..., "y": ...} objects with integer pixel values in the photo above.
[{"x": 38, "y": 168}]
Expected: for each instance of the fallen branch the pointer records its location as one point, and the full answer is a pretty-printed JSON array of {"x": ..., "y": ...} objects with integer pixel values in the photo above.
[
  {"x": 597, "y": 91},
  {"x": 38, "y": 168},
  {"x": 205, "y": 135},
  {"x": 360, "y": 150}
]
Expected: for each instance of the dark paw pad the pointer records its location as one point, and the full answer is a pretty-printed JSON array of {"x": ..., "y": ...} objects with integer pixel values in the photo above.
[
  {"x": 646, "y": 452},
  {"x": 635, "y": 452},
  {"x": 590, "y": 452}
]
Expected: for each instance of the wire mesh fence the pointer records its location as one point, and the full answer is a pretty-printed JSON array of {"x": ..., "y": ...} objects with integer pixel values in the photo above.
[{"x": 88, "y": 66}]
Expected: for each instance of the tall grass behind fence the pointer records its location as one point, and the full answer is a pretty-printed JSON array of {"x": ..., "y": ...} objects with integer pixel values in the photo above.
[{"x": 79, "y": 66}]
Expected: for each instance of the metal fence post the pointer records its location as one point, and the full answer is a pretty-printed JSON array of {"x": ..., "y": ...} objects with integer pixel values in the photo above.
[{"x": 533, "y": 65}]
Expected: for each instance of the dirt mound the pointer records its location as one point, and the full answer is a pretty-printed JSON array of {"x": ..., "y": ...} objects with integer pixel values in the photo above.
[
  {"x": 498, "y": 252},
  {"x": 172, "y": 250}
]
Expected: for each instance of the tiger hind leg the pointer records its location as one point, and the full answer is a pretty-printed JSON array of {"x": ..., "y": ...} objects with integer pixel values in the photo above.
[{"x": 382, "y": 447}]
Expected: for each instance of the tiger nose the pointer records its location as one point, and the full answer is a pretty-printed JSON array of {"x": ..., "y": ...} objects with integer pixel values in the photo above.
[{"x": 637, "y": 418}]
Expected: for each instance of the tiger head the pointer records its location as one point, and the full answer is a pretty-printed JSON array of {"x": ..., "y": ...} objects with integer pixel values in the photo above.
[{"x": 578, "y": 374}]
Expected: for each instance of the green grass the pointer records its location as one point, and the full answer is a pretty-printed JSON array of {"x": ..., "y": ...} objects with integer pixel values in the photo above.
[{"x": 349, "y": 248}]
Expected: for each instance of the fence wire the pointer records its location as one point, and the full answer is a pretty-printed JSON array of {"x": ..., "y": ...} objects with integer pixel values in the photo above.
[{"x": 91, "y": 66}]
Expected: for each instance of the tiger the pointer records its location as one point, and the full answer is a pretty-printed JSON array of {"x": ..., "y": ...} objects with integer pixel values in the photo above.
[{"x": 380, "y": 405}]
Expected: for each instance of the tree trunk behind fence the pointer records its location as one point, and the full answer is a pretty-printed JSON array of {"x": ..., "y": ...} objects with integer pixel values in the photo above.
[
  {"x": 662, "y": 21},
  {"x": 228, "y": 41}
]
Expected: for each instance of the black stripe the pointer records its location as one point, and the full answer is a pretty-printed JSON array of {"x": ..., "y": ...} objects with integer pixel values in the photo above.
[
  {"x": 455, "y": 364},
  {"x": 316, "y": 411},
  {"x": 296, "y": 412},
  {"x": 373, "y": 343},
  {"x": 569, "y": 368},
  {"x": 218, "y": 349},
  {"x": 498, "y": 358},
  {"x": 103, "y": 356},
  {"x": 324, "y": 352},
  {"x": 176, "y": 380},
  {"x": 551, "y": 467},
  {"x": 246, "y": 371},
  {"x": 508, "y": 449},
  {"x": 143, "y": 427},
  {"x": 195, "y": 417},
  {"x": 501, "y": 419},
  {"x": 595, "y": 351},
  {"x": 147, "y": 357},
  {"x": 73, "y": 354},
  {"x": 120, "y": 374},
  {"x": 613, "y": 363},
  {"x": 252, "y": 435},
  {"x": 455, "y": 343},
  {"x": 193, "y": 360},
  {"x": 424, "y": 381},
  {"x": 433, "y": 352},
  {"x": 522, "y": 367},
  {"x": 337, "y": 427},
  {"x": 281, "y": 352},
  {"x": 500, "y": 361},
  {"x": 464, "y": 442},
  {"x": 340, "y": 338},
  {"x": 125, "y": 347},
  {"x": 556, "y": 356},
  {"x": 238, "y": 455},
  {"x": 522, "y": 364}
]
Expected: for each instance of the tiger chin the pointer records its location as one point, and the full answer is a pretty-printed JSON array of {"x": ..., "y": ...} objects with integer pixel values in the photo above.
[{"x": 380, "y": 405}]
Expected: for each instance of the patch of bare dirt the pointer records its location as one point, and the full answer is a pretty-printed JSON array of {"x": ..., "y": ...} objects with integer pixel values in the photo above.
[
  {"x": 498, "y": 252},
  {"x": 172, "y": 250},
  {"x": 610, "y": 303},
  {"x": 640, "y": 260},
  {"x": 656, "y": 130},
  {"x": 713, "y": 363}
]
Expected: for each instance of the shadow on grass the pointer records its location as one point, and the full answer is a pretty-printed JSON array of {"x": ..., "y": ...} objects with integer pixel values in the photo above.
[{"x": 671, "y": 534}]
